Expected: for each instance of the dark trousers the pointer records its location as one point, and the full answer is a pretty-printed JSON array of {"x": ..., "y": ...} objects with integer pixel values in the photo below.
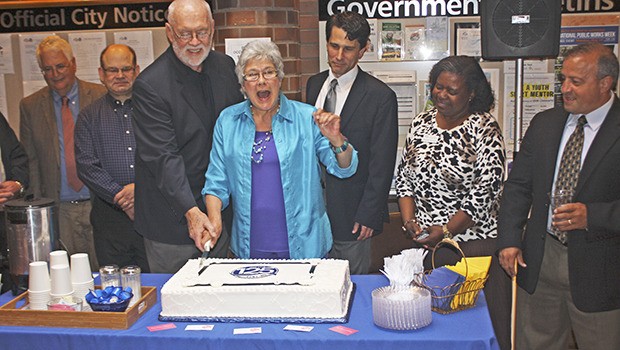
[
  {"x": 4, "y": 257},
  {"x": 116, "y": 241},
  {"x": 497, "y": 288}
]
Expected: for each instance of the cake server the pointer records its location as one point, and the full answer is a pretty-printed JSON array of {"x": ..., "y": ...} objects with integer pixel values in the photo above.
[{"x": 204, "y": 256}]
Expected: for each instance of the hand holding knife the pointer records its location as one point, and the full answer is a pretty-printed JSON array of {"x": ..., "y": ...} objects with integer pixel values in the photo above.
[{"x": 204, "y": 256}]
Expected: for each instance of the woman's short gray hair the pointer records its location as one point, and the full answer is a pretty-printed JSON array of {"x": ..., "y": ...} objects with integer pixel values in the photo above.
[{"x": 260, "y": 50}]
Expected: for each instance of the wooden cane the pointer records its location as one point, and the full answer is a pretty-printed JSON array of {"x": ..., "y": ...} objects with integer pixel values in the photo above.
[{"x": 513, "y": 311}]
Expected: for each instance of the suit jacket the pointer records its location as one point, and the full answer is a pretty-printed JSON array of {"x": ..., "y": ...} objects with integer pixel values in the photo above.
[
  {"x": 39, "y": 134},
  {"x": 14, "y": 158},
  {"x": 593, "y": 254},
  {"x": 369, "y": 119},
  {"x": 173, "y": 123}
]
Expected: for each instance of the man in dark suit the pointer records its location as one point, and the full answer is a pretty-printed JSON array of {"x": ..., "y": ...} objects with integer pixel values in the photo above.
[
  {"x": 177, "y": 100},
  {"x": 13, "y": 182},
  {"x": 14, "y": 167},
  {"x": 568, "y": 257},
  {"x": 357, "y": 206},
  {"x": 48, "y": 140}
]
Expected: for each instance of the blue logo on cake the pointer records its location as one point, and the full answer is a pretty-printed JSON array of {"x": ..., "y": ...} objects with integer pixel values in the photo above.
[{"x": 255, "y": 271}]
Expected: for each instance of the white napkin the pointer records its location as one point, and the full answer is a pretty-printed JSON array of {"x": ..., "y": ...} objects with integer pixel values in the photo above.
[{"x": 403, "y": 268}]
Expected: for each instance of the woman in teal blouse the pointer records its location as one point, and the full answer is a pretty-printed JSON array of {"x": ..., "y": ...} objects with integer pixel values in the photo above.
[{"x": 266, "y": 157}]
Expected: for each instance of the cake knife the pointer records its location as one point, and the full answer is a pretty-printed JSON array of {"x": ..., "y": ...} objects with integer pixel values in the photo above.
[{"x": 204, "y": 256}]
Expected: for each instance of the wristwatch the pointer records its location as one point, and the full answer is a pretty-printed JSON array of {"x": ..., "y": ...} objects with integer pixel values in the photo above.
[
  {"x": 446, "y": 232},
  {"x": 340, "y": 149},
  {"x": 21, "y": 189}
]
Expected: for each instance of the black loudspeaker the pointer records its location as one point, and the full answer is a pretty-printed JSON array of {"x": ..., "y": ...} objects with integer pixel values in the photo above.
[{"x": 520, "y": 28}]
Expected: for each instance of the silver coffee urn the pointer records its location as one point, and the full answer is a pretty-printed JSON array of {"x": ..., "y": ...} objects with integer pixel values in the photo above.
[{"x": 32, "y": 233}]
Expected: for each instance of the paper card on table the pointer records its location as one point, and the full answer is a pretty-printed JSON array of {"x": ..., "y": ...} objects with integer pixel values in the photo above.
[
  {"x": 199, "y": 327},
  {"x": 161, "y": 327},
  {"x": 251, "y": 330},
  {"x": 343, "y": 330},
  {"x": 298, "y": 328}
]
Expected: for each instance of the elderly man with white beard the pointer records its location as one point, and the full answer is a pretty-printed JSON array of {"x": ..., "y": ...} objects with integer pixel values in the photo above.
[{"x": 177, "y": 100}]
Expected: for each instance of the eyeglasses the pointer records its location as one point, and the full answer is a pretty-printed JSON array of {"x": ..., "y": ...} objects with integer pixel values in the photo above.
[
  {"x": 254, "y": 76},
  {"x": 60, "y": 69},
  {"x": 188, "y": 36},
  {"x": 115, "y": 70}
]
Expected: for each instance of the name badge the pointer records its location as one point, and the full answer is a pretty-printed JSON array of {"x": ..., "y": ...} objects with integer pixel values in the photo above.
[{"x": 430, "y": 139}]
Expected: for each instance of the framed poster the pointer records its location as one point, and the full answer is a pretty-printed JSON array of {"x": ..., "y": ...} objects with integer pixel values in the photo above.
[{"x": 467, "y": 39}]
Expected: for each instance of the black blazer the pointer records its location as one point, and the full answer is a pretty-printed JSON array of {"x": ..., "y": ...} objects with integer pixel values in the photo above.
[
  {"x": 369, "y": 120},
  {"x": 14, "y": 157},
  {"x": 173, "y": 122},
  {"x": 593, "y": 255}
]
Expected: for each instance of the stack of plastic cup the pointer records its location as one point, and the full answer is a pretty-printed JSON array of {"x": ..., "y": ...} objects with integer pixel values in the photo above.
[
  {"x": 401, "y": 307},
  {"x": 81, "y": 277},
  {"x": 38, "y": 285},
  {"x": 58, "y": 257},
  {"x": 61, "y": 281}
]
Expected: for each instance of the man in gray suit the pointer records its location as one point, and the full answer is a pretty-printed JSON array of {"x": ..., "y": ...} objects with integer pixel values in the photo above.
[
  {"x": 357, "y": 206},
  {"x": 568, "y": 256},
  {"x": 48, "y": 140},
  {"x": 177, "y": 100}
]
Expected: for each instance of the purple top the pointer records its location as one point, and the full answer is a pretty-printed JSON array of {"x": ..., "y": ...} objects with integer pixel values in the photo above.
[{"x": 268, "y": 232}]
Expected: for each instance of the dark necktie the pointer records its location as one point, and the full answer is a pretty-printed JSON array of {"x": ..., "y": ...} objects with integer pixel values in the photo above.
[
  {"x": 570, "y": 165},
  {"x": 330, "y": 98},
  {"x": 68, "y": 126}
]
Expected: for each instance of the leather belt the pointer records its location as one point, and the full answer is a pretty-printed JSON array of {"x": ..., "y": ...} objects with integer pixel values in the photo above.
[{"x": 78, "y": 201}]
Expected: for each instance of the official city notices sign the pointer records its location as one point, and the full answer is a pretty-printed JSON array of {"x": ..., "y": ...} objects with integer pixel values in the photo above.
[{"x": 84, "y": 17}]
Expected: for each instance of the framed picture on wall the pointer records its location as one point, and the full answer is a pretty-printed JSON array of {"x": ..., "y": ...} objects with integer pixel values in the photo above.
[
  {"x": 467, "y": 39},
  {"x": 424, "y": 94}
]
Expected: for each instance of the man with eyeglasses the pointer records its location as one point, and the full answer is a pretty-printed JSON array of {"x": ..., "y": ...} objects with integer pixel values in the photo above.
[
  {"x": 177, "y": 100},
  {"x": 47, "y": 120},
  {"x": 105, "y": 156}
]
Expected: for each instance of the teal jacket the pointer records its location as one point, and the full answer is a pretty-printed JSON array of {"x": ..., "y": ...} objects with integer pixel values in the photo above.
[{"x": 301, "y": 147}]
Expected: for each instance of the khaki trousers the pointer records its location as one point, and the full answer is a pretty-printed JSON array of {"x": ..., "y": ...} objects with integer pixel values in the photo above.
[
  {"x": 76, "y": 233},
  {"x": 545, "y": 318}
]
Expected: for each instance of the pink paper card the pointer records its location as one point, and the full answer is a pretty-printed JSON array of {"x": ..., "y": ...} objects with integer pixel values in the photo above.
[
  {"x": 161, "y": 327},
  {"x": 343, "y": 330}
]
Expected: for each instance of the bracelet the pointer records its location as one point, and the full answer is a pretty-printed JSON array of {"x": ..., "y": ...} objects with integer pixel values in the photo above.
[
  {"x": 406, "y": 222},
  {"x": 340, "y": 149},
  {"x": 446, "y": 232}
]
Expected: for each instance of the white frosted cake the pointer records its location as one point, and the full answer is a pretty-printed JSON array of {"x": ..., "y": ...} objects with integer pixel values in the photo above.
[{"x": 258, "y": 289}]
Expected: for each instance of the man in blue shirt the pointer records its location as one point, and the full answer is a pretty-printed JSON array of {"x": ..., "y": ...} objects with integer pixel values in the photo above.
[
  {"x": 105, "y": 153},
  {"x": 48, "y": 140}
]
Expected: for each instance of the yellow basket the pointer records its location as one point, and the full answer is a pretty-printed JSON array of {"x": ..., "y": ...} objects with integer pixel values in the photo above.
[{"x": 454, "y": 297}]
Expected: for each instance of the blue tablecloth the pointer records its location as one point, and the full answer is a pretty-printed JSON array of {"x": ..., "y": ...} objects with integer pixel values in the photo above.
[{"x": 468, "y": 329}]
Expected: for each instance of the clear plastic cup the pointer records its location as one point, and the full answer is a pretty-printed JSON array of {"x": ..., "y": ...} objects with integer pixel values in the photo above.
[
  {"x": 560, "y": 197},
  {"x": 65, "y": 304}
]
